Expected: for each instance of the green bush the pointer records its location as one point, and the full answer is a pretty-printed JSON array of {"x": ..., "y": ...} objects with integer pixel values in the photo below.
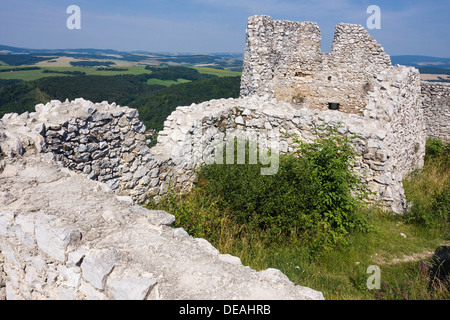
[
  {"x": 314, "y": 198},
  {"x": 441, "y": 204},
  {"x": 435, "y": 149},
  {"x": 429, "y": 210}
]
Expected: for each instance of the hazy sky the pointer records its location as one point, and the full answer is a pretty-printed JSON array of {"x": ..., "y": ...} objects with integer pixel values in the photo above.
[{"x": 416, "y": 27}]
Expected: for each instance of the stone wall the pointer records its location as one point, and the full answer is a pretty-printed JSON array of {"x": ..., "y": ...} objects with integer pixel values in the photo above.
[
  {"x": 436, "y": 107},
  {"x": 66, "y": 237},
  {"x": 357, "y": 74},
  {"x": 390, "y": 140},
  {"x": 396, "y": 102},
  {"x": 104, "y": 141},
  {"x": 283, "y": 60}
]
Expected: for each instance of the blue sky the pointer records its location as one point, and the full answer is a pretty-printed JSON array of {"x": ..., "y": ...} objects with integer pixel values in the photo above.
[{"x": 416, "y": 27}]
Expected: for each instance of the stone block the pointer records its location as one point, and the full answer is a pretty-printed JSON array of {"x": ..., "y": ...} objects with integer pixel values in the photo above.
[
  {"x": 140, "y": 172},
  {"x": 10, "y": 254},
  {"x": 228, "y": 258},
  {"x": 385, "y": 178},
  {"x": 155, "y": 217},
  {"x": 6, "y": 223},
  {"x": 83, "y": 157},
  {"x": 71, "y": 275},
  {"x": 90, "y": 292},
  {"x": 101, "y": 116},
  {"x": 54, "y": 237},
  {"x": 180, "y": 233},
  {"x": 97, "y": 266},
  {"x": 24, "y": 229},
  {"x": 66, "y": 293},
  {"x": 129, "y": 287},
  {"x": 33, "y": 278}
]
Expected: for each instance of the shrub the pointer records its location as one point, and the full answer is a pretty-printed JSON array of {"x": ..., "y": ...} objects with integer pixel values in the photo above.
[
  {"x": 436, "y": 150},
  {"x": 314, "y": 197}
]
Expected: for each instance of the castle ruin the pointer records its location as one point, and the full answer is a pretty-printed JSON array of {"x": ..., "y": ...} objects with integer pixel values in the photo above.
[{"x": 106, "y": 247}]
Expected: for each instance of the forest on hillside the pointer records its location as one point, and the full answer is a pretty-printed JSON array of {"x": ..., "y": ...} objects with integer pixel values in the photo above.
[{"x": 154, "y": 102}]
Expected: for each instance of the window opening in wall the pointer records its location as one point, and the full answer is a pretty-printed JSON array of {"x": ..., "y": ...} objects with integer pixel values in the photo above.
[{"x": 333, "y": 105}]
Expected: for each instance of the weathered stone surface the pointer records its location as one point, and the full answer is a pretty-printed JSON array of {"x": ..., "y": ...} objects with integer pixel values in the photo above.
[
  {"x": 140, "y": 172},
  {"x": 74, "y": 258},
  {"x": 436, "y": 103},
  {"x": 53, "y": 237},
  {"x": 24, "y": 229},
  {"x": 6, "y": 222},
  {"x": 136, "y": 256},
  {"x": 156, "y": 217},
  {"x": 129, "y": 287},
  {"x": 230, "y": 259},
  {"x": 282, "y": 59},
  {"x": 96, "y": 267}
]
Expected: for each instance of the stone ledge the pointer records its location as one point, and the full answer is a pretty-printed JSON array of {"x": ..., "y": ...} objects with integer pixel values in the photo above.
[{"x": 68, "y": 238}]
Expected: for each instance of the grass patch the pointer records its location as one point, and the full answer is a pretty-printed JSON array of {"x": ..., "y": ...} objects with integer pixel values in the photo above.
[
  {"x": 428, "y": 189},
  {"x": 338, "y": 272},
  {"x": 38, "y": 74},
  {"x": 341, "y": 273},
  {"x": 27, "y": 75},
  {"x": 218, "y": 72},
  {"x": 166, "y": 83}
]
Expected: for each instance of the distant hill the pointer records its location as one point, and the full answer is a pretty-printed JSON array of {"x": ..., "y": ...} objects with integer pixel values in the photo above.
[
  {"x": 14, "y": 56},
  {"x": 421, "y": 61}
]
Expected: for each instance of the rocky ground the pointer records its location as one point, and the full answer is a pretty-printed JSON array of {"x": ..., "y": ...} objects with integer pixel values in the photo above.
[{"x": 63, "y": 236}]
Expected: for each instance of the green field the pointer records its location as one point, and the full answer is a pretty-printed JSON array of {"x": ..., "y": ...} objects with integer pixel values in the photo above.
[
  {"x": 217, "y": 72},
  {"x": 29, "y": 75},
  {"x": 166, "y": 83}
]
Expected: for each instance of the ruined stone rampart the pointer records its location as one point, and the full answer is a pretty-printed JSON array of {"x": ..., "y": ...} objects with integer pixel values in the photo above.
[
  {"x": 436, "y": 109},
  {"x": 64, "y": 236},
  {"x": 283, "y": 60},
  {"x": 390, "y": 133},
  {"x": 106, "y": 142}
]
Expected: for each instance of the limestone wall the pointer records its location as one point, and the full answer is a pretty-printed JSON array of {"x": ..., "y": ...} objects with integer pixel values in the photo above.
[
  {"x": 64, "y": 236},
  {"x": 104, "y": 141},
  {"x": 272, "y": 48},
  {"x": 391, "y": 139},
  {"x": 76, "y": 234},
  {"x": 396, "y": 102},
  {"x": 436, "y": 107},
  {"x": 357, "y": 74},
  {"x": 283, "y": 60}
]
